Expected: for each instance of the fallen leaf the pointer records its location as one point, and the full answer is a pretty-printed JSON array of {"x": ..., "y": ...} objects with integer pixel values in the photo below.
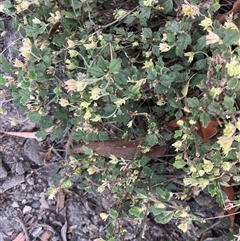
[
  {"x": 46, "y": 155},
  {"x": 235, "y": 9},
  {"x": 209, "y": 131},
  {"x": 29, "y": 135},
  {"x": 230, "y": 194},
  {"x": 46, "y": 236},
  {"x": 205, "y": 133},
  {"x": 120, "y": 149},
  {"x": 20, "y": 237},
  {"x": 60, "y": 200}
]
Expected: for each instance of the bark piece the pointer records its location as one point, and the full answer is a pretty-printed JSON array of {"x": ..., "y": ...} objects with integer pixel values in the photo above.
[{"x": 120, "y": 149}]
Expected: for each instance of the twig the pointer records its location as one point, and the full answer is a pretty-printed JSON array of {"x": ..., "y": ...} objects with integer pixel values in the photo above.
[
  {"x": 11, "y": 45},
  {"x": 117, "y": 20},
  {"x": 23, "y": 228}
]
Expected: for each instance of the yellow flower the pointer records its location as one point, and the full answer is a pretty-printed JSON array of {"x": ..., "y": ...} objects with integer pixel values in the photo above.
[
  {"x": 229, "y": 130},
  {"x": 63, "y": 102},
  {"x": 26, "y": 48},
  {"x": 190, "y": 10},
  {"x": 70, "y": 85},
  {"x": 18, "y": 63},
  {"x": 164, "y": 47},
  {"x": 70, "y": 43},
  {"x": 147, "y": 3},
  {"x": 148, "y": 64},
  {"x": 206, "y": 23},
  {"x": 190, "y": 56},
  {"x": 22, "y": 6},
  {"x": 233, "y": 68},
  {"x": 212, "y": 38},
  {"x": 225, "y": 143}
]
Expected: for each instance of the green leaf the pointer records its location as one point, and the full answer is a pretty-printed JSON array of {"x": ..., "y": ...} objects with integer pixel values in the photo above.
[
  {"x": 200, "y": 64},
  {"x": 193, "y": 102},
  {"x": 66, "y": 185},
  {"x": 87, "y": 151},
  {"x": 147, "y": 32},
  {"x": 167, "y": 5},
  {"x": 135, "y": 211},
  {"x": 180, "y": 164},
  {"x": 96, "y": 71},
  {"x": 163, "y": 194},
  {"x": 34, "y": 116},
  {"x": 184, "y": 40},
  {"x": 41, "y": 134},
  {"x": 232, "y": 84},
  {"x": 231, "y": 38},
  {"x": 164, "y": 217},
  {"x": 185, "y": 89},
  {"x": 157, "y": 209},
  {"x": 6, "y": 66},
  {"x": 205, "y": 119},
  {"x": 2, "y": 80},
  {"x": 152, "y": 139},
  {"x": 102, "y": 63},
  {"x": 113, "y": 213},
  {"x": 228, "y": 102},
  {"x": 115, "y": 65}
]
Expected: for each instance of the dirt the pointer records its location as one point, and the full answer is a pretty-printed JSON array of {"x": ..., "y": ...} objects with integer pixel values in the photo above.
[{"x": 27, "y": 212}]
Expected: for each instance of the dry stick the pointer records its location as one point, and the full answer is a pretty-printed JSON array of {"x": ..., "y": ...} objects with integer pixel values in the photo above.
[
  {"x": 117, "y": 20},
  {"x": 23, "y": 228},
  {"x": 11, "y": 45}
]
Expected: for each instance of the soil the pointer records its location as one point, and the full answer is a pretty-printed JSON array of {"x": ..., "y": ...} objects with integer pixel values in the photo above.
[{"x": 27, "y": 213}]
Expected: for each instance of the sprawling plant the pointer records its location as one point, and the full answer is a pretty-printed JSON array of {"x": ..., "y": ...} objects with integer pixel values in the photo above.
[{"x": 165, "y": 73}]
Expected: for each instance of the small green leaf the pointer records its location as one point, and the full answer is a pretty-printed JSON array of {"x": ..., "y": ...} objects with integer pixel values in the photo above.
[
  {"x": 205, "y": 119},
  {"x": 193, "y": 102},
  {"x": 167, "y": 5},
  {"x": 113, "y": 213},
  {"x": 115, "y": 65},
  {"x": 152, "y": 139},
  {"x": 232, "y": 84},
  {"x": 41, "y": 134},
  {"x": 200, "y": 64},
  {"x": 96, "y": 71},
  {"x": 2, "y": 80},
  {"x": 87, "y": 151},
  {"x": 66, "y": 185},
  {"x": 228, "y": 102},
  {"x": 180, "y": 164},
  {"x": 163, "y": 194},
  {"x": 147, "y": 32},
  {"x": 135, "y": 211},
  {"x": 34, "y": 116},
  {"x": 184, "y": 40},
  {"x": 185, "y": 89},
  {"x": 164, "y": 217}
]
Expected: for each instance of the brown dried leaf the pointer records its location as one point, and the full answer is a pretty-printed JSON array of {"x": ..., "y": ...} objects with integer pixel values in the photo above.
[
  {"x": 29, "y": 135},
  {"x": 46, "y": 155},
  {"x": 120, "y": 149},
  {"x": 46, "y": 236},
  {"x": 205, "y": 133},
  {"x": 20, "y": 237},
  {"x": 60, "y": 200},
  {"x": 230, "y": 194},
  {"x": 223, "y": 17}
]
